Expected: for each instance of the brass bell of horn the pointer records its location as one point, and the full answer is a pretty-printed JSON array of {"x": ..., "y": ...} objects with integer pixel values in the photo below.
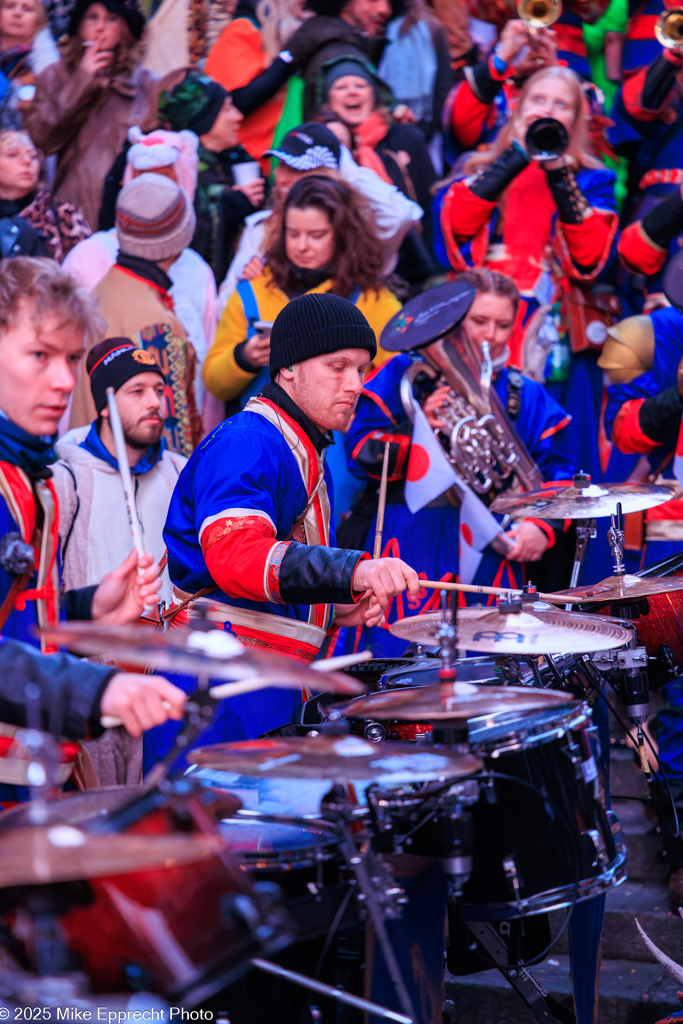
[
  {"x": 539, "y": 13},
  {"x": 669, "y": 29},
  {"x": 546, "y": 139}
]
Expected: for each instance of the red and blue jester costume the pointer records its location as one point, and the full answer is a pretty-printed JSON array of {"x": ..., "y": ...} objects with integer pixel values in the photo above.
[{"x": 249, "y": 525}]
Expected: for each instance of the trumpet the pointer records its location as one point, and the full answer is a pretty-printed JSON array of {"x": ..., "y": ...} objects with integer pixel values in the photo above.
[
  {"x": 669, "y": 29},
  {"x": 539, "y": 13},
  {"x": 546, "y": 139}
]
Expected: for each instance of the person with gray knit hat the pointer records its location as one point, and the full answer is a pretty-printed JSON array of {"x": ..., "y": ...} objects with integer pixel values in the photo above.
[
  {"x": 250, "y": 520},
  {"x": 155, "y": 222}
]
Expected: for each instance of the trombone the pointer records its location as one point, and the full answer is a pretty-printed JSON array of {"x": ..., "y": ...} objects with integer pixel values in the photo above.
[
  {"x": 541, "y": 13},
  {"x": 669, "y": 28}
]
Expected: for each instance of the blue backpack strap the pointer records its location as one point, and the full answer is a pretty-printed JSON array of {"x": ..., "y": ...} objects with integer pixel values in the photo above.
[
  {"x": 250, "y": 306},
  {"x": 355, "y": 296}
]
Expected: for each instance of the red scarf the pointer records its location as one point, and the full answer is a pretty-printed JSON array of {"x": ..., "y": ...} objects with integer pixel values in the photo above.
[{"x": 367, "y": 136}]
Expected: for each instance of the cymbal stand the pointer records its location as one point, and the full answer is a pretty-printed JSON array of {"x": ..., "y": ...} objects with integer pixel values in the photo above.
[
  {"x": 586, "y": 530},
  {"x": 633, "y": 686}
]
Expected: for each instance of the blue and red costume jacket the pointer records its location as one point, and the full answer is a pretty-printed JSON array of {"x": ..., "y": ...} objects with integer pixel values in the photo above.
[
  {"x": 647, "y": 116},
  {"x": 249, "y": 527},
  {"x": 644, "y": 417},
  {"x": 69, "y": 689},
  {"x": 429, "y": 539},
  {"x": 529, "y": 243},
  {"x": 640, "y": 44},
  {"x": 250, "y": 522}
]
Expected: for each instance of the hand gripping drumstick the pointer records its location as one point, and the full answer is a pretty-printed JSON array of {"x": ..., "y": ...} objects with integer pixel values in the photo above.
[
  {"x": 248, "y": 685},
  {"x": 124, "y": 470},
  {"x": 377, "y": 551}
]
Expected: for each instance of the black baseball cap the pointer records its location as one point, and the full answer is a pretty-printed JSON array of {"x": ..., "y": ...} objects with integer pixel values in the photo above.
[{"x": 308, "y": 147}]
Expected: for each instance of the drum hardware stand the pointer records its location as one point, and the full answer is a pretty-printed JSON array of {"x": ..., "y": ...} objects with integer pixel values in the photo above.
[
  {"x": 520, "y": 977},
  {"x": 313, "y": 985},
  {"x": 378, "y": 896},
  {"x": 632, "y": 684},
  {"x": 199, "y": 710}
]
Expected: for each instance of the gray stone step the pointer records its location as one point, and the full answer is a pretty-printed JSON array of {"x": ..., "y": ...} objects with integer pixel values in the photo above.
[
  {"x": 643, "y": 845},
  {"x": 629, "y": 993},
  {"x": 620, "y": 937}
]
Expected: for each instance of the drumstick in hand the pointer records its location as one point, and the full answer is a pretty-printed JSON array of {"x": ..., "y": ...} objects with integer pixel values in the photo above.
[
  {"x": 124, "y": 470},
  {"x": 382, "y": 501}
]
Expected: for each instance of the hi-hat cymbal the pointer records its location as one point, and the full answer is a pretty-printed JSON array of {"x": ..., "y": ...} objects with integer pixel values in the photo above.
[
  {"x": 450, "y": 702},
  {"x": 567, "y": 501},
  {"x": 495, "y": 631},
  {"x": 213, "y": 655},
  {"x": 622, "y": 588},
  {"x": 64, "y": 853},
  {"x": 336, "y": 758}
]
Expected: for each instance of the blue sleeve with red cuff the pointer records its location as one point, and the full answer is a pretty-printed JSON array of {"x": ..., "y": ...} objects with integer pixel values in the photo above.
[{"x": 231, "y": 516}]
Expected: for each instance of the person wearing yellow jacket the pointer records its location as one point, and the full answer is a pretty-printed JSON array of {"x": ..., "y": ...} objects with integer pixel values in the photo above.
[{"x": 321, "y": 241}]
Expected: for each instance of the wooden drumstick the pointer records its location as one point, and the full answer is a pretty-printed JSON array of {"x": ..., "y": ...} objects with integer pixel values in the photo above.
[
  {"x": 124, "y": 470},
  {"x": 472, "y": 588},
  {"x": 382, "y": 501},
  {"x": 223, "y": 690}
]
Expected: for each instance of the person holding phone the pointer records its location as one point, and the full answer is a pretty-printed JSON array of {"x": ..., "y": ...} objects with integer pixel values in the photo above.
[
  {"x": 321, "y": 241},
  {"x": 85, "y": 104}
]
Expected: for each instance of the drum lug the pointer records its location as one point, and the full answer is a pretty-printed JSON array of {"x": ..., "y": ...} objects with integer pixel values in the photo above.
[
  {"x": 600, "y": 852},
  {"x": 374, "y": 732},
  {"x": 510, "y": 869}
]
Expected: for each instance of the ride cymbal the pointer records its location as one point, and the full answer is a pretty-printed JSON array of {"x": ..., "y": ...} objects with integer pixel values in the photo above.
[
  {"x": 337, "y": 758},
  {"x": 215, "y": 654},
  {"x": 621, "y": 588},
  {"x": 569, "y": 501},
  {"x": 450, "y": 702},
  {"x": 497, "y": 631}
]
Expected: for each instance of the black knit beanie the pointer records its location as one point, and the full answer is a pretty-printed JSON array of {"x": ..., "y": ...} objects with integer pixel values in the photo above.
[
  {"x": 114, "y": 361},
  {"x": 315, "y": 324}
]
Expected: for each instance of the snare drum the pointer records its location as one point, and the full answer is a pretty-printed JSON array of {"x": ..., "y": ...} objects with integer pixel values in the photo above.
[
  {"x": 543, "y": 838},
  {"x": 302, "y": 859}
]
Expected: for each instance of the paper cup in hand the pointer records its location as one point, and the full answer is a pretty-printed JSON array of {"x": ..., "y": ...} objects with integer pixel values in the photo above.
[{"x": 246, "y": 172}]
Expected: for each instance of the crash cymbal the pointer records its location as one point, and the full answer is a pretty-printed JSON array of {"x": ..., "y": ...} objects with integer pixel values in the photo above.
[
  {"x": 622, "y": 588},
  {"x": 336, "y": 758},
  {"x": 65, "y": 853},
  {"x": 568, "y": 501},
  {"x": 88, "y": 808},
  {"x": 450, "y": 702},
  {"x": 215, "y": 654},
  {"x": 497, "y": 631}
]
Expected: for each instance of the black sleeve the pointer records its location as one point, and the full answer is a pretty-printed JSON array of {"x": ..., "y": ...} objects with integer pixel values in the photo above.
[
  {"x": 110, "y": 191},
  {"x": 443, "y": 83},
  {"x": 263, "y": 87},
  {"x": 70, "y": 689},
  {"x": 495, "y": 178},
  {"x": 659, "y": 78},
  {"x": 665, "y": 220},
  {"x": 317, "y": 575},
  {"x": 480, "y": 80},
  {"x": 77, "y": 604},
  {"x": 659, "y": 417},
  {"x": 234, "y": 208}
]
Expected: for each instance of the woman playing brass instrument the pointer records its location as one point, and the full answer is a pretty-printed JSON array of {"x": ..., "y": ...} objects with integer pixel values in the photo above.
[
  {"x": 432, "y": 536},
  {"x": 549, "y": 225}
]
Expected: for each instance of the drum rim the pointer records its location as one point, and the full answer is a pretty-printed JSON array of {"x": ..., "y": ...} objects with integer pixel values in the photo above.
[
  {"x": 560, "y": 898},
  {"x": 287, "y": 858},
  {"x": 558, "y": 726}
]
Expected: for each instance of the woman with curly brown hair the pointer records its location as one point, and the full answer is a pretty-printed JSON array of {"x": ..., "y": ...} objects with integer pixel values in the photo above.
[
  {"x": 321, "y": 240},
  {"x": 84, "y": 105}
]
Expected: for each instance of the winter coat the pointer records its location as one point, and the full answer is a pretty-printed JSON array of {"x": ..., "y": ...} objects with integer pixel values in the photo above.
[{"x": 84, "y": 120}]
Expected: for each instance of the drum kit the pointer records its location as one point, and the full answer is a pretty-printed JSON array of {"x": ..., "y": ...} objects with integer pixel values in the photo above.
[{"x": 195, "y": 882}]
